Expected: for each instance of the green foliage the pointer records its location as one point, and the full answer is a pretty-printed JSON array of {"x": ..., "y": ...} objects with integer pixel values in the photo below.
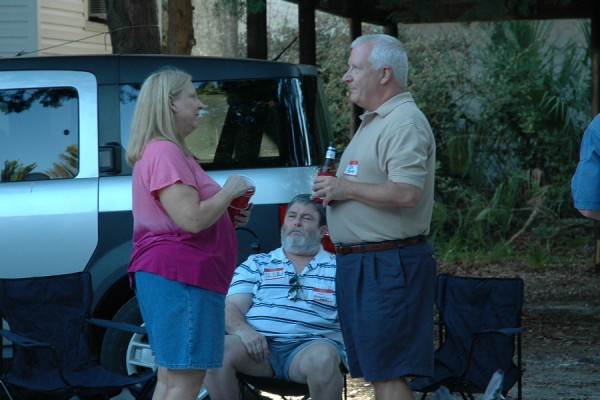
[
  {"x": 508, "y": 112},
  {"x": 537, "y": 256},
  {"x": 456, "y": 250}
]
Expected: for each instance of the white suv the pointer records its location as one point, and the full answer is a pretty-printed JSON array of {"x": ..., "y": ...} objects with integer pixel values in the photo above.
[{"x": 65, "y": 188}]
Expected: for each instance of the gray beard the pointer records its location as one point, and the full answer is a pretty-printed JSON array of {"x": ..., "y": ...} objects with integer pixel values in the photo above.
[{"x": 302, "y": 245}]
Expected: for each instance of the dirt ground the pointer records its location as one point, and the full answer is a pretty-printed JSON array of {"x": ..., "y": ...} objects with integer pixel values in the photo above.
[{"x": 561, "y": 321}]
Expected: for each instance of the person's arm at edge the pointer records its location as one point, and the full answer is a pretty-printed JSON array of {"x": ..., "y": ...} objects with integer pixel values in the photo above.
[
  {"x": 593, "y": 214},
  {"x": 588, "y": 166}
]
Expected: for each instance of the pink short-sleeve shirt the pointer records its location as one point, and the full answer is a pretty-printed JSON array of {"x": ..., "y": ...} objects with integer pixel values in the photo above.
[{"x": 205, "y": 259}]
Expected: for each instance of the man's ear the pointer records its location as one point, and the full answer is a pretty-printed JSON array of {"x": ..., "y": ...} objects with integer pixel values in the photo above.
[
  {"x": 324, "y": 230},
  {"x": 386, "y": 73}
]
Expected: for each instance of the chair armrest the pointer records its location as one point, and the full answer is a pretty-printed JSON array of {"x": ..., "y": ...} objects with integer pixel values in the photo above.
[
  {"x": 22, "y": 340},
  {"x": 122, "y": 326},
  {"x": 25, "y": 342}
]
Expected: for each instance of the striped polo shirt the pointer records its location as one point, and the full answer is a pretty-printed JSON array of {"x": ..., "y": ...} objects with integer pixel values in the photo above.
[{"x": 312, "y": 315}]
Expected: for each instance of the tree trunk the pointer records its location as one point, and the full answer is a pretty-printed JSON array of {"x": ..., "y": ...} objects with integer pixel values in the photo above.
[
  {"x": 133, "y": 26},
  {"x": 217, "y": 29},
  {"x": 181, "y": 30}
]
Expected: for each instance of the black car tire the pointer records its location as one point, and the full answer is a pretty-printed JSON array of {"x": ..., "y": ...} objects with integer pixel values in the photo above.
[{"x": 115, "y": 343}]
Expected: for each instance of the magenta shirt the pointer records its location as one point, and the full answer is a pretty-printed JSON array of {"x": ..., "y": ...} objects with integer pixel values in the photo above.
[{"x": 205, "y": 259}]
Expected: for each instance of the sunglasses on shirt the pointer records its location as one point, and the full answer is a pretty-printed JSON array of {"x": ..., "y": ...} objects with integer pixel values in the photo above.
[{"x": 293, "y": 292}]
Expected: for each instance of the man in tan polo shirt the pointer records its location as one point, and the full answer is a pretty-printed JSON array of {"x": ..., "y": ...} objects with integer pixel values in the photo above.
[{"x": 379, "y": 212}]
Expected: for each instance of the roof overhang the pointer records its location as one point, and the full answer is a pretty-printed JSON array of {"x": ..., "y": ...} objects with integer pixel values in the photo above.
[{"x": 384, "y": 12}]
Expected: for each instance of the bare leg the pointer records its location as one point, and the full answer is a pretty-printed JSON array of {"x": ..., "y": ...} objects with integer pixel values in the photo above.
[
  {"x": 393, "y": 389},
  {"x": 222, "y": 383},
  {"x": 160, "y": 391},
  {"x": 318, "y": 365},
  {"x": 178, "y": 384}
]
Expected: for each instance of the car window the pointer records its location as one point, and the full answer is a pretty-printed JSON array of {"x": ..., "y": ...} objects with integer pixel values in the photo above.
[
  {"x": 39, "y": 133},
  {"x": 245, "y": 124},
  {"x": 241, "y": 124}
]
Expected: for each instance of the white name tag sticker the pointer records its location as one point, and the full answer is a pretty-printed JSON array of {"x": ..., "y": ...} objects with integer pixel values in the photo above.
[
  {"x": 274, "y": 273},
  {"x": 352, "y": 168},
  {"x": 323, "y": 295}
]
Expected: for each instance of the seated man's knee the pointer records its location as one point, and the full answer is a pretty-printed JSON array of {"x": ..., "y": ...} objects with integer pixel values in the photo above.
[
  {"x": 234, "y": 351},
  {"x": 321, "y": 360}
]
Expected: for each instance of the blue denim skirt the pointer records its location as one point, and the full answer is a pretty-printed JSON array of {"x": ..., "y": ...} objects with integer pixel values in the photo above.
[{"x": 186, "y": 324}]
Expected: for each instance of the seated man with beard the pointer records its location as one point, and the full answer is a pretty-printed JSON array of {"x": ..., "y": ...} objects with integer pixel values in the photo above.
[{"x": 281, "y": 314}]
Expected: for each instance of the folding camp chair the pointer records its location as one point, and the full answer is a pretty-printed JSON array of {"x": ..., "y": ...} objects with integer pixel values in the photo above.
[
  {"x": 492, "y": 392},
  {"x": 256, "y": 384},
  {"x": 47, "y": 317},
  {"x": 480, "y": 333}
]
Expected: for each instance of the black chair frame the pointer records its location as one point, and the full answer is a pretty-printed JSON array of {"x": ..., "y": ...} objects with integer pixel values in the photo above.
[{"x": 282, "y": 388}]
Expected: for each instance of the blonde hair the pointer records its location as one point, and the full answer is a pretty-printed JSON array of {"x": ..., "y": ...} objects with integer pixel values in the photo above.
[{"x": 153, "y": 118}]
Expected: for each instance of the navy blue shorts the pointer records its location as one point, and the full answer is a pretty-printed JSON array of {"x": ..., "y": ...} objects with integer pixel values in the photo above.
[{"x": 386, "y": 304}]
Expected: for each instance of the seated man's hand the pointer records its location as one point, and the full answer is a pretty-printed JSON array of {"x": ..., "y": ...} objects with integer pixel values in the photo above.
[
  {"x": 243, "y": 217},
  {"x": 256, "y": 345}
]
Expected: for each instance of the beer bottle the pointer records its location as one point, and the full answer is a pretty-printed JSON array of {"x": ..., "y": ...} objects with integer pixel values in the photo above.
[{"x": 328, "y": 167}]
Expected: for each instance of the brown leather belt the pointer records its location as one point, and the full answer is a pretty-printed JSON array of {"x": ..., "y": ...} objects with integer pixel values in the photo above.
[{"x": 387, "y": 245}]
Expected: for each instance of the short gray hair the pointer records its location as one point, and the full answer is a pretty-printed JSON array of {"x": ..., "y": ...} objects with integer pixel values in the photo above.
[
  {"x": 305, "y": 199},
  {"x": 387, "y": 50}
]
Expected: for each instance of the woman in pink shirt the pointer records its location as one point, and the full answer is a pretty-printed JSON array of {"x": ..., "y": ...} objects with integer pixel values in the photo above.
[{"x": 184, "y": 244}]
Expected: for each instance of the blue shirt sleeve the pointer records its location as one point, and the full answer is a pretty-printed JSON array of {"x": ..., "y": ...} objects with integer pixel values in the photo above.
[{"x": 585, "y": 184}]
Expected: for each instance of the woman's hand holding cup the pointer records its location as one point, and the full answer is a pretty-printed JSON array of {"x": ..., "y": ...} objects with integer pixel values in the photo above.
[{"x": 243, "y": 188}]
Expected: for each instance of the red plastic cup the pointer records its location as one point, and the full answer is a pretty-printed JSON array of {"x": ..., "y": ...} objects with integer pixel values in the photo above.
[
  {"x": 241, "y": 203},
  {"x": 319, "y": 199}
]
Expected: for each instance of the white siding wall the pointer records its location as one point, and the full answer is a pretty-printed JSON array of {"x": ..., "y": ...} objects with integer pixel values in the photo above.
[
  {"x": 18, "y": 27},
  {"x": 64, "y": 28}
]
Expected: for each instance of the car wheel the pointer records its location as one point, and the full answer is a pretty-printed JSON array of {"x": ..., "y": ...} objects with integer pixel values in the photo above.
[{"x": 129, "y": 353}]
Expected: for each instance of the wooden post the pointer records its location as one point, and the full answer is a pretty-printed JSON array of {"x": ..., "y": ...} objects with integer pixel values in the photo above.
[
  {"x": 256, "y": 34},
  {"x": 391, "y": 29},
  {"x": 307, "y": 33}
]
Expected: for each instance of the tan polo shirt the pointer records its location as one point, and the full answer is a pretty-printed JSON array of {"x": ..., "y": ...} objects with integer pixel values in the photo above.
[{"x": 394, "y": 142}]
